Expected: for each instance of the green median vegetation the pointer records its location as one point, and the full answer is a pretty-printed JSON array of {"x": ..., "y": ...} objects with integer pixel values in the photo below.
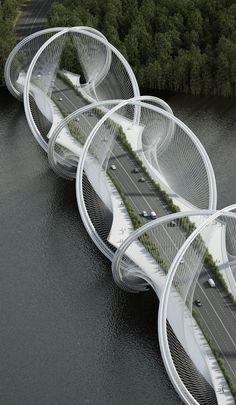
[
  {"x": 216, "y": 353},
  {"x": 67, "y": 80},
  {"x": 137, "y": 222},
  {"x": 210, "y": 263},
  {"x": 122, "y": 139},
  {"x": 73, "y": 127}
]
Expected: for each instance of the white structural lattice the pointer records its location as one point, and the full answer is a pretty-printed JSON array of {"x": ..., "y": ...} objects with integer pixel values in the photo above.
[{"x": 97, "y": 132}]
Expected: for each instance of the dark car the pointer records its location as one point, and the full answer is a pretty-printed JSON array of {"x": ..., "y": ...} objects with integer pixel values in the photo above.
[
  {"x": 198, "y": 303},
  {"x": 172, "y": 223}
]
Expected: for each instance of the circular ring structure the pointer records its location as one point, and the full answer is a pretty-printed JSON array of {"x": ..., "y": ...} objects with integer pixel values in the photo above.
[
  {"x": 125, "y": 262},
  {"x": 22, "y": 54},
  {"x": 107, "y": 72},
  {"x": 210, "y": 184},
  {"x": 129, "y": 154}
]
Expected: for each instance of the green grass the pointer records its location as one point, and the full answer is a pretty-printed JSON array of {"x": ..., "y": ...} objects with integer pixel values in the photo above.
[{"x": 217, "y": 355}]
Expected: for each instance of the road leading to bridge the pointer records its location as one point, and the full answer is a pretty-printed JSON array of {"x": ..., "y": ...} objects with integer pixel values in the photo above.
[{"x": 33, "y": 18}]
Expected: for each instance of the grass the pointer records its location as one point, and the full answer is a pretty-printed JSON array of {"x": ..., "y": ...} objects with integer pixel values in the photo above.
[{"x": 137, "y": 222}]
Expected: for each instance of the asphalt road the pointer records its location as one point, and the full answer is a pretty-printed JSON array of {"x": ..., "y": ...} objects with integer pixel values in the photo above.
[
  {"x": 33, "y": 18},
  {"x": 217, "y": 314}
]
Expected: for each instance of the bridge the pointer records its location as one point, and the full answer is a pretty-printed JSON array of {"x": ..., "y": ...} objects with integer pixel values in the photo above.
[{"x": 147, "y": 196}]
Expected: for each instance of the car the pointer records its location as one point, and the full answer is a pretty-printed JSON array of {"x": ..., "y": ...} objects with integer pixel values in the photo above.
[
  {"x": 144, "y": 214},
  {"x": 181, "y": 261},
  {"x": 172, "y": 223},
  {"x": 211, "y": 282},
  {"x": 142, "y": 180},
  {"x": 198, "y": 303},
  {"x": 113, "y": 167},
  {"x": 135, "y": 170},
  {"x": 153, "y": 215},
  {"x": 38, "y": 76},
  {"x": 77, "y": 119},
  {"x": 60, "y": 99}
]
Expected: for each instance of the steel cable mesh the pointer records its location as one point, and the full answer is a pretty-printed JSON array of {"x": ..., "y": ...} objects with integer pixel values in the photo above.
[
  {"x": 160, "y": 244},
  {"x": 229, "y": 262},
  {"x": 47, "y": 64},
  {"x": 183, "y": 168},
  {"x": 95, "y": 166},
  {"x": 93, "y": 57},
  {"x": 107, "y": 77},
  {"x": 193, "y": 380},
  {"x": 70, "y": 140},
  {"x": 23, "y": 57},
  {"x": 96, "y": 190},
  {"x": 173, "y": 153},
  {"x": 40, "y": 87},
  {"x": 165, "y": 144}
]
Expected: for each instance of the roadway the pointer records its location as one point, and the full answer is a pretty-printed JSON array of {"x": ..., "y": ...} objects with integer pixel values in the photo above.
[
  {"x": 32, "y": 18},
  {"x": 217, "y": 314}
]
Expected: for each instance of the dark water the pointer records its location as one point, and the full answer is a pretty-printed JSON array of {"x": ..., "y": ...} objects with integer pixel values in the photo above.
[
  {"x": 68, "y": 335},
  {"x": 213, "y": 120}
]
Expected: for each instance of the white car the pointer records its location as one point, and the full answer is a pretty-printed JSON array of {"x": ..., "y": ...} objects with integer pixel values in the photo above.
[
  {"x": 211, "y": 283},
  {"x": 113, "y": 167},
  {"x": 153, "y": 215},
  {"x": 60, "y": 99},
  {"x": 142, "y": 179},
  {"x": 144, "y": 214}
]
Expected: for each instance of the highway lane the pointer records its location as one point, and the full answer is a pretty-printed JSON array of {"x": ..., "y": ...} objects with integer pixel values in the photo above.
[
  {"x": 33, "y": 17},
  {"x": 218, "y": 316}
]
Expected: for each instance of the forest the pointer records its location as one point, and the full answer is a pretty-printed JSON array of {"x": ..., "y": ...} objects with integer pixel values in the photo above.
[
  {"x": 9, "y": 10},
  {"x": 178, "y": 45}
]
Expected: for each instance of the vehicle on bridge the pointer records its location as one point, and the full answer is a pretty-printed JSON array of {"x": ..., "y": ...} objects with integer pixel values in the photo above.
[{"x": 211, "y": 282}]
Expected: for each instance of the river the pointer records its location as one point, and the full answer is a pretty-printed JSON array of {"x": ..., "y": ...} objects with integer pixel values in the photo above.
[{"x": 69, "y": 336}]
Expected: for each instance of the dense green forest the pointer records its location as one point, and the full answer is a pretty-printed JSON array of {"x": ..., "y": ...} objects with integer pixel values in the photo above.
[
  {"x": 180, "y": 45},
  {"x": 8, "y": 12}
]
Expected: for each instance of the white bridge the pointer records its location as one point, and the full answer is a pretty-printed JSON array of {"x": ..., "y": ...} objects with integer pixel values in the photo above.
[{"x": 131, "y": 156}]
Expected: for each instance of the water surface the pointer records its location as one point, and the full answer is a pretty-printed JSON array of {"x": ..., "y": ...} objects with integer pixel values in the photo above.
[{"x": 68, "y": 335}]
